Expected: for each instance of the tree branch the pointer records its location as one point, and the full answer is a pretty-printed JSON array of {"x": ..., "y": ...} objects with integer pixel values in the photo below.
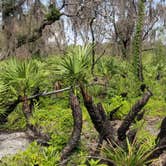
[
  {"x": 136, "y": 108},
  {"x": 149, "y": 29}
]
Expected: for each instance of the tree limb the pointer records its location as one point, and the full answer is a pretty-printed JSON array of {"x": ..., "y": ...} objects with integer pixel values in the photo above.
[
  {"x": 136, "y": 108},
  {"x": 98, "y": 117}
]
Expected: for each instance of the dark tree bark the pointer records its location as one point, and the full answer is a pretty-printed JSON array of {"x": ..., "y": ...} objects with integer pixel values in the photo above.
[
  {"x": 26, "y": 108},
  {"x": 160, "y": 141},
  {"x": 98, "y": 117},
  {"x": 36, "y": 99},
  {"x": 114, "y": 111},
  {"x": 162, "y": 133},
  {"x": 132, "y": 115},
  {"x": 76, "y": 134}
]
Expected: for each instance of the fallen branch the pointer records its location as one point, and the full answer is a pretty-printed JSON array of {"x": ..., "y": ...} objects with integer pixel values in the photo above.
[{"x": 11, "y": 106}]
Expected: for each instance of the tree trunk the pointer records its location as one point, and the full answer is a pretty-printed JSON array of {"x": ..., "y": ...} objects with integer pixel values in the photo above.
[
  {"x": 98, "y": 117},
  {"x": 76, "y": 134},
  {"x": 26, "y": 109}
]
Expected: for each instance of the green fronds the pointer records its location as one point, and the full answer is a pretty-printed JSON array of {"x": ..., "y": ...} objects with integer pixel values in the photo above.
[
  {"x": 75, "y": 65},
  {"x": 134, "y": 154},
  {"x": 19, "y": 77}
]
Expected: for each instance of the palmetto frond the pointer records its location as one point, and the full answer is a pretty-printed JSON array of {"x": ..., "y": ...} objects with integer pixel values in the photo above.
[
  {"x": 134, "y": 154},
  {"x": 18, "y": 77},
  {"x": 75, "y": 64}
]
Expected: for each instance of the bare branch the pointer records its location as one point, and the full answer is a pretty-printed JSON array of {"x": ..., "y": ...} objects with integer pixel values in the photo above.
[{"x": 149, "y": 29}]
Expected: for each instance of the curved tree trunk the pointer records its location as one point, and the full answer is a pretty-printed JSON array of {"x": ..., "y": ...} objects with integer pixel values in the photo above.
[
  {"x": 27, "y": 110},
  {"x": 76, "y": 134}
]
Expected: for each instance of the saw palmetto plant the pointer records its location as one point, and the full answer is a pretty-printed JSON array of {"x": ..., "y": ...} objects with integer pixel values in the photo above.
[
  {"x": 75, "y": 66},
  {"x": 133, "y": 154},
  {"x": 19, "y": 78}
]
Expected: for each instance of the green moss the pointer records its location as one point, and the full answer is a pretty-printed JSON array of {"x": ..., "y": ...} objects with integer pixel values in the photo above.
[{"x": 53, "y": 14}]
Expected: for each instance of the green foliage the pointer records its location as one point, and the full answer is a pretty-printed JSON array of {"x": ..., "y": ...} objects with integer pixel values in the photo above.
[
  {"x": 57, "y": 122},
  {"x": 156, "y": 108},
  {"x": 118, "y": 77},
  {"x": 93, "y": 162},
  {"x": 108, "y": 67},
  {"x": 53, "y": 116},
  {"x": 34, "y": 155},
  {"x": 159, "y": 59},
  {"x": 135, "y": 154},
  {"x": 19, "y": 77},
  {"x": 75, "y": 65},
  {"x": 114, "y": 103},
  {"x": 16, "y": 120},
  {"x": 50, "y": 67},
  {"x": 53, "y": 119},
  {"x": 53, "y": 13}
]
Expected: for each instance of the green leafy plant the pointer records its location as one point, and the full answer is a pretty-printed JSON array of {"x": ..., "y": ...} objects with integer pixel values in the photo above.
[
  {"x": 114, "y": 103},
  {"x": 108, "y": 67},
  {"x": 75, "y": 65},
  {"x": 34, "y": 155},
  {"x": 19, "y": 77},
  {"x": 135, "y": 154},
  {"x": 93, "y": 162},
  {"x": 53, "y": 13}
]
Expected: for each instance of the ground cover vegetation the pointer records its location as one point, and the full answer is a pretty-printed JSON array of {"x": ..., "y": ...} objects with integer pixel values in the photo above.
[
  {"x": 98, "y": 102},
  {"x": 53, "y": 117}
]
